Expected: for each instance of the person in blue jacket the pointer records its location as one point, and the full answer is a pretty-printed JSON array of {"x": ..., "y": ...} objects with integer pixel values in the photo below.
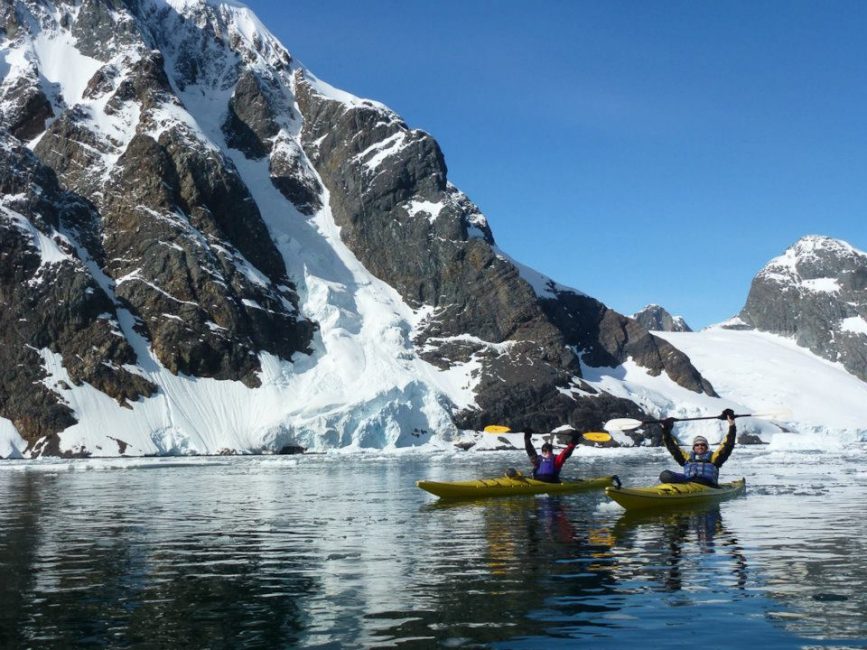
[
  {"x": 700, "y": 465},
  {"x": 547, "y": 466}
]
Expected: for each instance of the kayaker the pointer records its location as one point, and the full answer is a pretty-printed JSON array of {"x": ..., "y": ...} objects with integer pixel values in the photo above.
[
  {"x": 547, "y": 466},
  {"x": 701, "y": 465}
]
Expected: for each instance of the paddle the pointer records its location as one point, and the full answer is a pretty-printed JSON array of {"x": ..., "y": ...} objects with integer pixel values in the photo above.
[
  {"x": 496, "y": 428},
  {"x": 590, "y": 436},
  {"x": 627, "y": 424}
]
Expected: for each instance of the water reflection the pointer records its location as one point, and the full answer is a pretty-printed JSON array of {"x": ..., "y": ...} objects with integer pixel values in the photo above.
[
  {"x": 679, "y": 543},
  {"x": 531, "y": 569},
  {"x": 77, "y": 572},
  {"x": 517, "y": 528},
  {"x": 549, "y": 575},
  {"x": 813, "y": 554},
  {"x": 336, "y": 552}
]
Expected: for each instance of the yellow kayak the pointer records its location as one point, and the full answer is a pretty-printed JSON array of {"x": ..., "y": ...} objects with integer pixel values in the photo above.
[
  {"x": 667, "y": 495},
  {"x": 506, "y": 486}
]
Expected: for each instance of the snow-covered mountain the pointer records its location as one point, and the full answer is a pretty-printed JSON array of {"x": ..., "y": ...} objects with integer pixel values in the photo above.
[
  {"x": 813, "y": 403},
  {"x": 799, "y": 345},
  {"x": 206, "y": 249},
  {"x": 657, "y": 319},
  {"x": 815, "y": 293}
]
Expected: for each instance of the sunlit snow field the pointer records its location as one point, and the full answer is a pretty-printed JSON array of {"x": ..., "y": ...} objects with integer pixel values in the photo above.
[{"x": 342, "y": 550}]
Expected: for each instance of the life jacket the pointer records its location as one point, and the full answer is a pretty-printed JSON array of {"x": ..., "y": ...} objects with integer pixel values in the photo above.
[
  {"x": 699, "y": 466},
  {"x": 546, "y": 470}
]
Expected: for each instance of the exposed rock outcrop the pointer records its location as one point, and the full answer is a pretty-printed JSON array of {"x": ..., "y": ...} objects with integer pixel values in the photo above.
[
  {"x": 656, "y": 319},
  {"x": 398, "y": 213},
  {"x": 160, "y": 227},
  {"x": 53, "y": 304},
  {"x": 816, "y": 293}
]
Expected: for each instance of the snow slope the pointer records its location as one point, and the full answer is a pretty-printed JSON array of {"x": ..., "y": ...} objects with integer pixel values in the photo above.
[
  {"x": 764, "y": 371},
  {"x": 822, "y": 405}
]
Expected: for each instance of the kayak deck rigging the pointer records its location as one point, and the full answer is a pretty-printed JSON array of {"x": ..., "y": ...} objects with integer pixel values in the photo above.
[
  {"x": 515, "y": 485},
  {"x": 666, "y": 495}
]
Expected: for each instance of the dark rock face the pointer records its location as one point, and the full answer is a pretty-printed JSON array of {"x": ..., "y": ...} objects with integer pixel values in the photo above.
[
  {"x": 73, "y": 152},
  {"x": 371, "y": 201},
  {"x": 147, "y": 84},
  {"x": 410, "y": 227},
  {"x": 51, "y": 300},
  {"x": 656, "y": 319},
  {"x": 24, "y": 106},
  {"x": 160, "y": 198},
  {"x": 28, "y": 110},
  {"x": 161, "y": 265},
  {"x": 250, "y": 123},
  {"x": 101, "y": 26},
  {"x": 291, "y": 175},
  {"x": 815, "y": 292},
  {"x": 609, "y": 339},
  {"x": 161, "y": 229}
]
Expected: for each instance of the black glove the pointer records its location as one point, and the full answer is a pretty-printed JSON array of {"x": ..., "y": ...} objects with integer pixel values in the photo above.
[
  {"x": 728, "y": 413},
  {"x": 528, "y": 431},
  {"x": 668, "y": 424},
  {"x": 576, "y": 438}
]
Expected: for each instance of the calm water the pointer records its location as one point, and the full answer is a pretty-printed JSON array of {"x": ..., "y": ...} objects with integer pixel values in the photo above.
[{"x": 345, "y": 551}]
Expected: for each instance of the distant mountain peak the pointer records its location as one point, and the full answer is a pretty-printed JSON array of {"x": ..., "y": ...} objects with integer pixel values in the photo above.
[
  {"x": 821, "y": 244},
  {"x": 816, "y": 293},
  {"x": 657, "y": 319},
  {"x": 813, "y": 255}
]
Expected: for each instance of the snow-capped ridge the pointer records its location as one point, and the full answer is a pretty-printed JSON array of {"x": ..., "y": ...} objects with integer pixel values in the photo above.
[
  {"x": 327, "y": 90},
  {"x": 806, "y": 250},
  {"x": 231, "y": 20},
  {"x": 815, "y": 293}
]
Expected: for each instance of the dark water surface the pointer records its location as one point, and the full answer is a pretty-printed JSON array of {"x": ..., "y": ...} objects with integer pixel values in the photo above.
[{"x": 344, "y": 551}]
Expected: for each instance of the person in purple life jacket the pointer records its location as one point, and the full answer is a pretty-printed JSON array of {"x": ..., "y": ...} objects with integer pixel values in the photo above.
[
  {"x": 700, "y": 465},
  {"x": 547, "y": 466}
]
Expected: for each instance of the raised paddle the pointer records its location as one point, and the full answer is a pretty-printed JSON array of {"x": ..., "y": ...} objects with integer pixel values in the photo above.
[
  {"x": 496, "y": 428},
  {"x": 590, "y": 436},
  {"x": 627, "y": 424}
]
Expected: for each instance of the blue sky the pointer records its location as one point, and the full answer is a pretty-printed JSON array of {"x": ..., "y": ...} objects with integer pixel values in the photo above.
[{"x": 642, "y": 152}]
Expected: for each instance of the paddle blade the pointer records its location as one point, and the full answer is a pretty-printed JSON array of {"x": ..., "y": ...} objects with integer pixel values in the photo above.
[
  {"x": 596, "y": 436},
  {"x": 780, "y": 414},
  {"x": 496, "y": 428},
  {"x": 622, "y": 424}
]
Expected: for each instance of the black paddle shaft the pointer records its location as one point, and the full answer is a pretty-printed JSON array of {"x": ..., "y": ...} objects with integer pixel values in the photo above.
[{"x": 705, "y": 417}]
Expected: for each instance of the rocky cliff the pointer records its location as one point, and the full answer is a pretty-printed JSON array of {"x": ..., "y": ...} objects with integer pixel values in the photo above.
[
  {"x": 657, "y": 319},
  {"x": 190, "y": 219},
  {"x": 816, "y": 293}
]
